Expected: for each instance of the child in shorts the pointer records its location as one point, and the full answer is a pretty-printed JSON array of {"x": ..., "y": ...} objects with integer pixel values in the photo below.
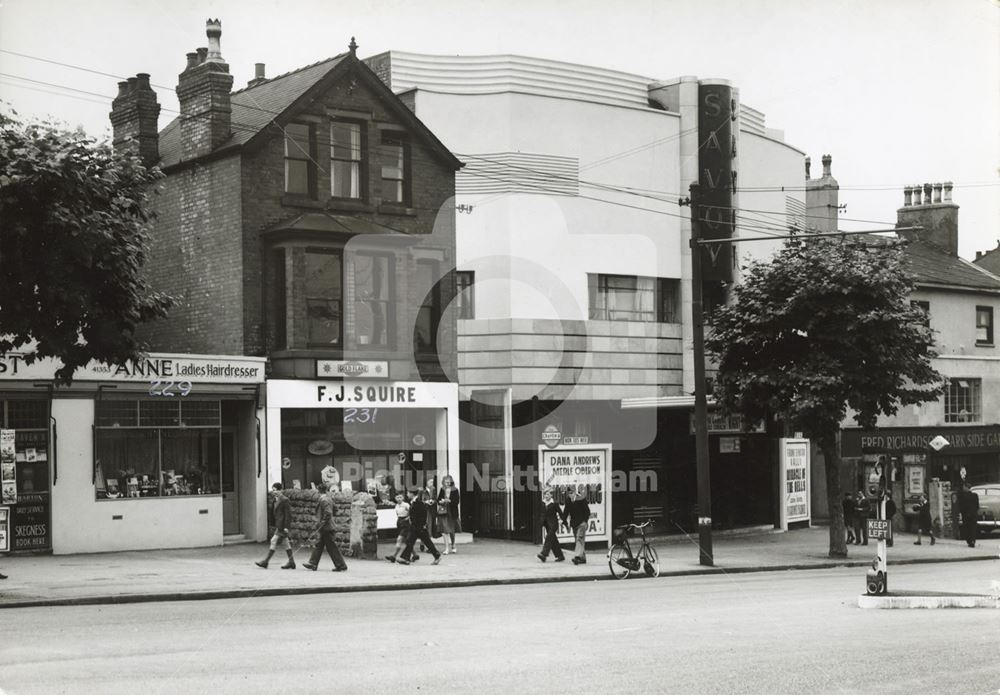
[{"x": 402, "y": 526}]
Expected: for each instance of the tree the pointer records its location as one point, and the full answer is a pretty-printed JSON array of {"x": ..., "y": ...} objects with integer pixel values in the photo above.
[
  {"x": 825, "y": 326},
  {"x": 73, "y": 223}
]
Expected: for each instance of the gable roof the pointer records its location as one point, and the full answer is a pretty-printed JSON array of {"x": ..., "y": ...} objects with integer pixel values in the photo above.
[{"x": 275, "y": 102}]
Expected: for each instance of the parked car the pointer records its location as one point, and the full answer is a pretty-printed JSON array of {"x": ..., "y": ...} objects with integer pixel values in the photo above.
[{"x": 989, "y": 507}]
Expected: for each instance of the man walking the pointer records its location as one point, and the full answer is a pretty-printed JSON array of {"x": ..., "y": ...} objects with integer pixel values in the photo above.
[
  {"x": 577, "y": 514},
  {"x": 282, "y": 520},
  {"x": 418, "y": 528},
  {"x": 848, "y": 506},
  {"x": 862, "y": 510},
  {"x": 324, "y": 525},
  {"x": 968, "y": 505},
  {"x": 924, "y": 522}
]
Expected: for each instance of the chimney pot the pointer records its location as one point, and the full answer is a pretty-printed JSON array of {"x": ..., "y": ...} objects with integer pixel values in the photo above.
[
  {"x": 808, "y": 166},
  {"x": 827, "y": 161},
  {"x": 259, "y": 71},
  {"x": 937, "y": 193},
  {"x": 947, "y": 191},
  {"x": 916, "y": 195},
  {"x": 202, "y": 54},
  {"x": 213, "y": 29},
  {"x": 192, "y": 60},
  {"x": 907, "y": 196},
  {"x": 928, "y": 188},
  {"x": 122, "y": 88},
  {"x": 979, "y": 254},
  {"x": 142, "y": 79},
  {"x": 132, "y": 82}
]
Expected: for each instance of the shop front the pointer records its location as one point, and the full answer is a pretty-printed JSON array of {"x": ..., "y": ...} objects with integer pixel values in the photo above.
[
  {"x": 380, "y": 437},
  {"x": 913, "y": 457},
  {"x": 158, "y": 453}
]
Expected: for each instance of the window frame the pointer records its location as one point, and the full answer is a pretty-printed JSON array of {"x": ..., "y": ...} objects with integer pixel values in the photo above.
[
  {"x": 465, "y": 294},
  {"x": 304, "y": 298},
  {"x": 309, "y": 158},
  {"x": 430, "y": 303},
  {"x": 600, "y": 289},
  {"x": 107, "y": 429},
  {"x": 962, "y": 407},
  {"x": 388, "y": 302},
  {"x": 987, "y": 325},
  {"x": 404, "y": 182},
  {"x": 359, "y": 163}
]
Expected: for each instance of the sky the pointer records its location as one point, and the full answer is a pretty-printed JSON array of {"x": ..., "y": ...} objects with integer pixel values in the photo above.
[{"x": 898, "y": 92}]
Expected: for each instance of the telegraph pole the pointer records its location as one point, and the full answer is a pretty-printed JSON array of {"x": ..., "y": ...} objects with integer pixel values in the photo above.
[{"x": 705, "y": 555}]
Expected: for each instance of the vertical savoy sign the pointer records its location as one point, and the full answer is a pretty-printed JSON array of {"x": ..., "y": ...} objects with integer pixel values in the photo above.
[{"x": 716, "y": 176}]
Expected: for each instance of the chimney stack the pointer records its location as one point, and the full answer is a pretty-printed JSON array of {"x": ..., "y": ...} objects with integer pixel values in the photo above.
[
  {"x": 203, "y": 90},
  {"x": 258, "y": 75},
  {"x": 134, "y": 115},
  {"x": 937, "y": 215},
  {"x": 822, "y": 200}
]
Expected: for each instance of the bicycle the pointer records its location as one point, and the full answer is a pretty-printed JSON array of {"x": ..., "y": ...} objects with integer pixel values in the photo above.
[{"x": 622, "y": 561}]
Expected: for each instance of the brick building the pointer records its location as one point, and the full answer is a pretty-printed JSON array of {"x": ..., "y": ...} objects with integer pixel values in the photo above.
[{"x": 308, "y": 219}]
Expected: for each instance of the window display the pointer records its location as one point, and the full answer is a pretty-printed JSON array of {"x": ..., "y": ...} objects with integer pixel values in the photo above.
[
  {"x": 180, "y": 456},
  {"x": 377, "y": 450}
]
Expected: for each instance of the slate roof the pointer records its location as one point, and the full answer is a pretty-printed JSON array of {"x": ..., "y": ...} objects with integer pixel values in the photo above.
[
  {"x": 932, "y": 266},
  {"x": 253, "y": 107}
]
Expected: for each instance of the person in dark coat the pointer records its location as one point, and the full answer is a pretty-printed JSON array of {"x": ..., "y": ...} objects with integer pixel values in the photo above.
[
  {"x": 550, "y": 522},
  {"x": 924, "y": 523},
  {"x": 282, "y": 521},
  {"x": 419, "y": 509},
  {"x": 576, "y": 513},
  {"x": 968, "y": 505},
  {"x": 848, "y": 504},
  {"x": 324, "y": 525},
  {"x": 448, "y": 499},
  {"x": 862, "y": 508},
  {"x": 890, "y": 513}
]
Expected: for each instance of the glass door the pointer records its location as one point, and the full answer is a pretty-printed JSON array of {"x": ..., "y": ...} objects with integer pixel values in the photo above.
[{"x": 230, "y": 483}]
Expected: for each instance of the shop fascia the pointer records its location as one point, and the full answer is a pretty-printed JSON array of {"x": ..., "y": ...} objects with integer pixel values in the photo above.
[{"x": 174, "y": 373}]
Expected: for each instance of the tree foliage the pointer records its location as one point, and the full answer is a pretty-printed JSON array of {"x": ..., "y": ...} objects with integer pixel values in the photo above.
[
  {"x": 824, "y": 327},
  {"x": 74, "y": 218}
]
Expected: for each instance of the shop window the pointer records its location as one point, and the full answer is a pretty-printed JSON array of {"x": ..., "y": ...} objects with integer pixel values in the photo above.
[
  {"x": 984, "y": 325},
  {"x": 963, "y": 401},
  {"x": 322, "y": 290},
  {"x": 346, "y": 159},
  {"x": 633, "y": 298},
  {"x": 24, "y": 471},
  {"x": 380, "y": 450},
  {"x": 372, "y": 283},
  {"x": 395, "y": 156},
  {"x": 300, "y": 161},
  {"x": 156, "y": 448},
  {"x": 429, "y": 312},
  {"x": 465, "y": 296}
]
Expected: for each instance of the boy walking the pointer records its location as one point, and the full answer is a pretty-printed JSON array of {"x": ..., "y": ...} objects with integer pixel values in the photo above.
[
  {"x": 403, "y": 527},
  {"x": 550, "y": 521},
  {"x": 282, "y": 520},
  {"x": 418, "y": 529}
]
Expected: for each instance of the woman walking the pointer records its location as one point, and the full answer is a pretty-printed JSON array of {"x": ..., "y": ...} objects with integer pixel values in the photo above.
[{"x": 447, "y": 513}]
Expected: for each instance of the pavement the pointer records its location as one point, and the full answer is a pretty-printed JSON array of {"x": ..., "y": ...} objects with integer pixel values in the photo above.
[{"x": 229, "y": 571}]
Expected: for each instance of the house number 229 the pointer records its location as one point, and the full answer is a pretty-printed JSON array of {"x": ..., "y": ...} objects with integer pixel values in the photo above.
[{"x": 169, "y": 388}]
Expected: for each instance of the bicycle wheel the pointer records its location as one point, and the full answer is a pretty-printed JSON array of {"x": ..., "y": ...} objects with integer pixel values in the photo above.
[
  {"x": 618, "y": 561},
  {"x": 651, "y": 561}
]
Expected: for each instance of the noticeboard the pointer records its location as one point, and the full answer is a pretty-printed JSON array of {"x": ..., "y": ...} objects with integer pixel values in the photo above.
[
  {"x": 794, "y": 482},
  {"x": 583, "y": 468}
]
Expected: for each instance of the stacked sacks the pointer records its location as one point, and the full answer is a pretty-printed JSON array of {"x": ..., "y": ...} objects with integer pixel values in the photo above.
[{"x": 345, "y": 506}]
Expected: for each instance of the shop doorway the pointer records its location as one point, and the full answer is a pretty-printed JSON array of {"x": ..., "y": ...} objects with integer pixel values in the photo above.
[{"x": 230, "y": 483}]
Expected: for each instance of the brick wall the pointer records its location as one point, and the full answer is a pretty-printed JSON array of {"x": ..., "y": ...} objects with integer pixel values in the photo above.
[{"x": 196, "y": 257}]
